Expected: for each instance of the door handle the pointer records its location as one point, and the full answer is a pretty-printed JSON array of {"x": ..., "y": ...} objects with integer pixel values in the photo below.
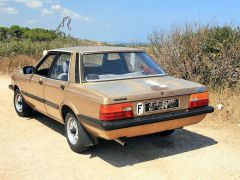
[
  {"x": 40, "y": 82},
  {"x": 62, "y": 87}
]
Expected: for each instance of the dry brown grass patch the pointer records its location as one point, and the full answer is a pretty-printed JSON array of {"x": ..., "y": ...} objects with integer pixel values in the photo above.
[
  {"x": 231, "y": 109},
  {"x": 13, "y": 63}
]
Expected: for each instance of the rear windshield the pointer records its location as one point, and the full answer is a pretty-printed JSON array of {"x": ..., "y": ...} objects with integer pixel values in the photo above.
[{"x": 124, "y": 65}]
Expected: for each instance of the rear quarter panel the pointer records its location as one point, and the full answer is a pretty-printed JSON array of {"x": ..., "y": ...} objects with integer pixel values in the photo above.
[{"x": 84, "y": 101}]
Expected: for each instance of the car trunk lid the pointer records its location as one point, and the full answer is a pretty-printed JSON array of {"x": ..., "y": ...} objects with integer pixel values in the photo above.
[{"x": 148, "y": 90}]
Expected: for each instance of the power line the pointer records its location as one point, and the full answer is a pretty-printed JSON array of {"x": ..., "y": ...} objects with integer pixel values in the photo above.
[{"x": 68, "y": 19}]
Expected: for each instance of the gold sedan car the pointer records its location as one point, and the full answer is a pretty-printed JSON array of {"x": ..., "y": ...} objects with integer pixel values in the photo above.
[{"x": 107, "y": 92}]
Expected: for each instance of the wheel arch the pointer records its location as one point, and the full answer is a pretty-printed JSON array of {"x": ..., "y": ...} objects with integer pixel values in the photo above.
[
  {"x": 65, "y": 108},
  {"x": 15, "y": 87}
]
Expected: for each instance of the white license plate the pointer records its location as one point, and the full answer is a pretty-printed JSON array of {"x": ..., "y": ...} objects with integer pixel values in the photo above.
[{"x": 166, "y": 104}]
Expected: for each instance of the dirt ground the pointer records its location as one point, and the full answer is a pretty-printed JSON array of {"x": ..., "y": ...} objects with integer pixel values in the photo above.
[{"x": 35, "y": 148}]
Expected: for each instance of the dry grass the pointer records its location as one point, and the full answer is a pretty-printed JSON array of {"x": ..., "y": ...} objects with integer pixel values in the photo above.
[
  {"x": 204, "y": 54},
  {"x": 231, "y": 109},
  {"x": 13, "y": 63}
]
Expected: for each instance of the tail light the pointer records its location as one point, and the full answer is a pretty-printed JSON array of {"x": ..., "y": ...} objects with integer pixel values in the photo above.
[
  {"x": 198, "y": 100},
  {"x": 115, "y": 111}
]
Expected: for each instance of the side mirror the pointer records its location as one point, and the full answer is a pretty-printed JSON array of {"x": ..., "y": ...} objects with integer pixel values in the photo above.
[{"x": 28, "y": 69}]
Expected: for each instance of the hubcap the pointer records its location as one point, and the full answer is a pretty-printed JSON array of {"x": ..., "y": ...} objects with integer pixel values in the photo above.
[
  {"x": 18, "y": 102},
  {"x": 72, "y": 130}
]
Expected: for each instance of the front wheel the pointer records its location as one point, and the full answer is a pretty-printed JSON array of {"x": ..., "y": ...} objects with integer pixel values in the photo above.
[
  {"x": 22, "y": 109},
  {"x": 77, "y": 137}
]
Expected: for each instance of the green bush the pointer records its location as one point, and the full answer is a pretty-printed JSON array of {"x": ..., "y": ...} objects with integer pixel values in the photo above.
[
  {"x": 40, "y": 35},
  {"x": 17, "y": 40},
  {"x": 17, "y": 33}
]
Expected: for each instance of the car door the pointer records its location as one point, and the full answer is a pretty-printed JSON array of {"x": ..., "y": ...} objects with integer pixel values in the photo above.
[
  {"x": 55, "y": 84},
  {"x": 34, "y": 92}
]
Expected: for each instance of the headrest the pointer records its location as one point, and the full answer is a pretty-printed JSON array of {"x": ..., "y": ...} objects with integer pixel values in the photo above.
[
  {"x": 65, "y": 66},
  {"x": 114, "y": 67}
]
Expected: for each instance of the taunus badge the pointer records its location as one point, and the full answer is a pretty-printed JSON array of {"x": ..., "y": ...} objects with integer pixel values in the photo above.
[{"x": 120, "y": 99}]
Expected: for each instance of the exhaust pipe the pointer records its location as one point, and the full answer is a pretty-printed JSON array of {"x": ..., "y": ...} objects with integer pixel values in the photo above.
[{"x": 121, "y": 142}]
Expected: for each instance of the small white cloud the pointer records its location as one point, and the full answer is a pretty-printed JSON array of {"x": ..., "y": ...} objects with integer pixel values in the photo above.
[
  {"x": 56, "y": 7},
  {"x": 31, "y": 3},
  {"x": 34, "y": 4},
  {"x": 53, "y": 9},
  {"x": 67, "y": 12},
  {"x": 80, "y": 17},
  {"x": 32, "y": 21},
  {"x": 3, "y": 2},
  {"x": 46, "y": 11},
  {"x": 21, "y": 1},
  {"x": 8, "y": 10}
]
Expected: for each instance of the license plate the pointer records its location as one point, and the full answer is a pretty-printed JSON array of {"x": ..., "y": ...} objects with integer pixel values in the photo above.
[{"x": 166, "y": 104}]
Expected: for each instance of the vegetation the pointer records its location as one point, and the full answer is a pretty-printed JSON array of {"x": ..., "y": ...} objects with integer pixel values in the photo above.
[
  {"x": 16, "y": 32},
  {"x": 204, "y": 54},
  {"x": 21, "y": 46},
  {"x": 18, "y": 40}
]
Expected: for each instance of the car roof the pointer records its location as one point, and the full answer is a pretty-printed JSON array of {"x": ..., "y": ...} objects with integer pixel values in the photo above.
[{"x": 97, "y": 49}]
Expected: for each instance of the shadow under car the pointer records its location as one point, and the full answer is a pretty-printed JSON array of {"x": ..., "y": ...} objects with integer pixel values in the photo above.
[{"x": 139, "y": 149}]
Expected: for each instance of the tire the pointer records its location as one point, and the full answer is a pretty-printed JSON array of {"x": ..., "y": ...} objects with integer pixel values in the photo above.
[
  {"x": 166, "y": 133},
  {"x": 21, "y": 107},
  {"x": 77, "y": 137}
]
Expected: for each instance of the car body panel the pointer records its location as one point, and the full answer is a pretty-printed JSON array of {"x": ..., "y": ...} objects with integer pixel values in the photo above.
[
  {"x": 35, "y": 92},
  {"x": 144, "y": 90},
  {"x": 144, "y": 129},
  {"x": 151, "y": 87},
  {"x": 54, "y": 96},
  {"x": 84, "y": 100}
]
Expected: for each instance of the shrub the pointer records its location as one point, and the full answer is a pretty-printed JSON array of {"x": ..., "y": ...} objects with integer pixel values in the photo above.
[{"x": 208, "y": 55}]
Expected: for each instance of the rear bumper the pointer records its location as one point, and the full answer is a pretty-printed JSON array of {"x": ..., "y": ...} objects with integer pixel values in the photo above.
[{"x": 119, "y": 124}]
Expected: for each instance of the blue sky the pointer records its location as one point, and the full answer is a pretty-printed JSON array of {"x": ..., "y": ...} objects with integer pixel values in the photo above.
[{"x": 117, "y": 20}]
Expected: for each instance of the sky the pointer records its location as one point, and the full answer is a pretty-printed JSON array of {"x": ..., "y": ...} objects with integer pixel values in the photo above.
[{"x": 117, "y": 20}]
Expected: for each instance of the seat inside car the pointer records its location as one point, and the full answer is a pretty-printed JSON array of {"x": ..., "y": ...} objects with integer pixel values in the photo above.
[
  {"x": 116, "y": 66},
  {"x": 64, "y": 76}
]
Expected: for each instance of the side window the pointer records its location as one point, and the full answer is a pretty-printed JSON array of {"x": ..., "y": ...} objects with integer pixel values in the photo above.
[
  {"x": 92, "y": 64},
  {"x": 113, "y": 56},
  {"x": 134, "y": 61},
  {"x": 60, "y": 68},
  {"x": 93, "y": 60},
  {"x": 43, "y": 69}
]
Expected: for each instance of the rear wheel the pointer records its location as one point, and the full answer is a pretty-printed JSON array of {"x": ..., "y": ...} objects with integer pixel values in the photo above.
[
  {"x": 22, "y": 109},
  {"x": 166, "y": 133},
  {"x": 78, "y": 139}
]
